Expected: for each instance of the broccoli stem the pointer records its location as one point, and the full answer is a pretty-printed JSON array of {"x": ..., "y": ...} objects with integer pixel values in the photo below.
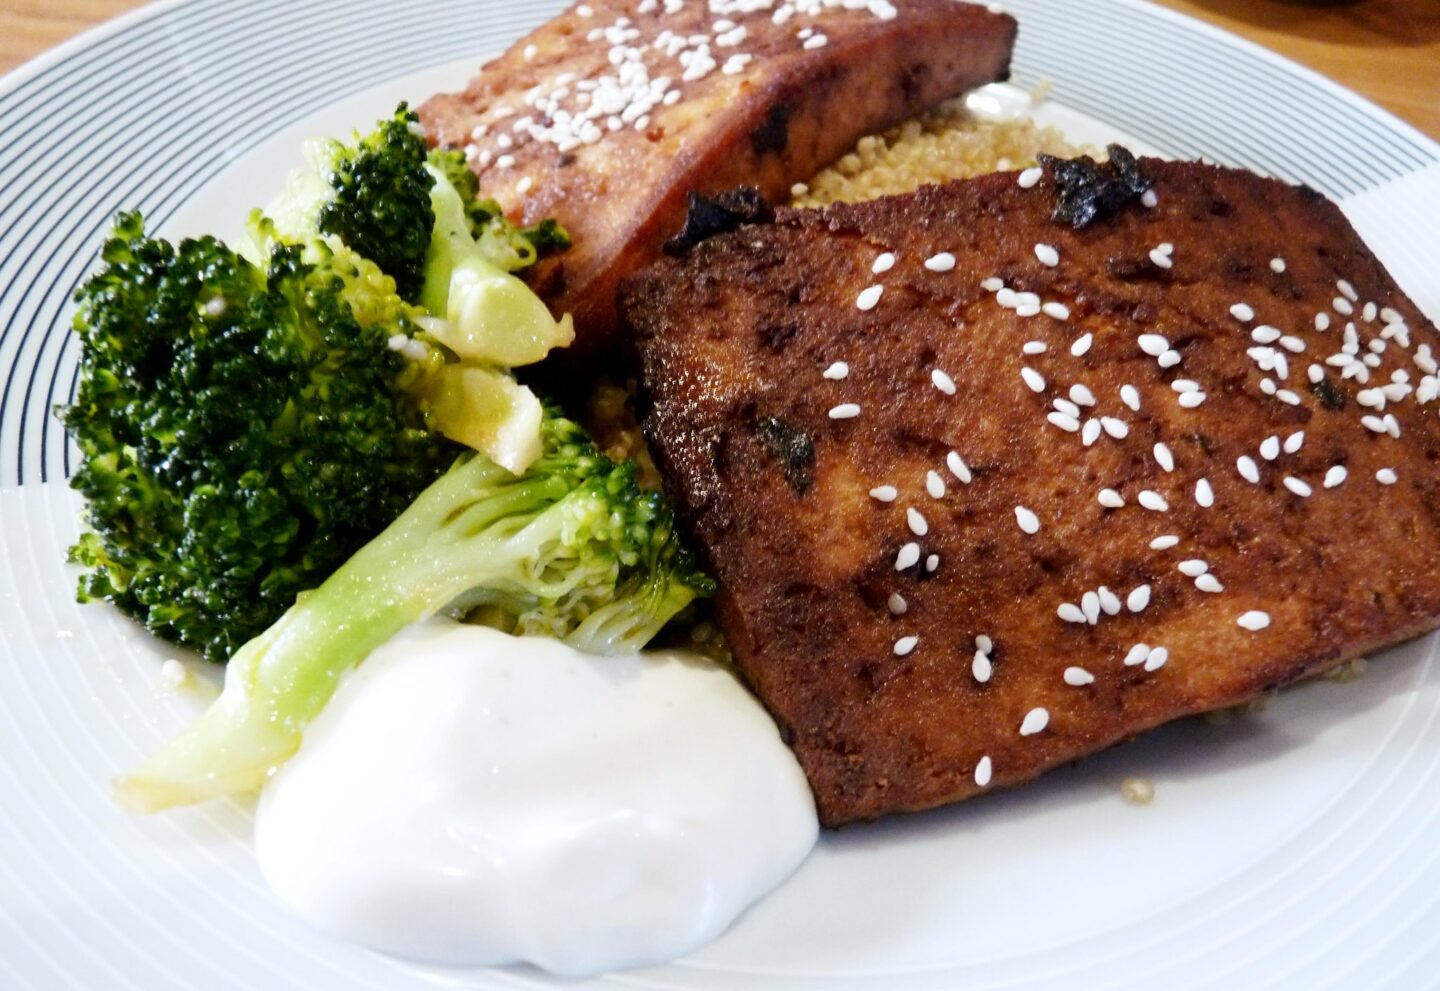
[{"x": 478, "y": 526}]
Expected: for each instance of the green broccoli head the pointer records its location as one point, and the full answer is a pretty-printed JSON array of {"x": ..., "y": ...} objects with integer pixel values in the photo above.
[{"x": 242, "y": 431}]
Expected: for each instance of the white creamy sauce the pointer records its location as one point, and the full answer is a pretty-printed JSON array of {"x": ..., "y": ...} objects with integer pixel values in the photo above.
[{"x": 471, "y": 799}]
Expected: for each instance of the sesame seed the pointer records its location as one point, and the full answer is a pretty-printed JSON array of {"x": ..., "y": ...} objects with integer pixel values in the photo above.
[
  {"x": 1347, "y": 290},
  {"x": 981, "y": 667},
  {"x": 1248, "y": 469},
  {"x": 505, "y": 161},
  {"x": 1342, "y": 306},
  {"x": 1111, "y": 499},
  {"x": 1130, "y": 396},
  {"x": 1288, "y": 397},
  {"x": 884, "y": 493},
  {"x": 932, "y": 563},
  {"x": 1027, "y": 519},
  {"x": 1169, "y": 359},
  {"x": 529, "y": 53},
  {"x": 1386, "y": 476},
  {"x": 1277, "y": 265},
  {"x": 1183, "y": 386},
  {"x": 1153, "y": 344},
  {"x": 992, "y": 284},
  {"x": 1152, "y": 501},
  {"x": 1137, "y": 655},
  {"x": 982, "y": 642},
  {"x": 908, "y": 557},
  {"x": 869, "y": 297},
  {"x": 1242, "y": 312},
  {"x": 1035, "y": 347},
  {"x": 523, "y": 186},
  {"x": 897, "y": 604},
  {"x": 815, "y": 42},
  {"x": 1155, "y": 660},
  {"x": 1030, "y": 178},
  {"x": 1164, "y": 543},
  {"x": 1138, "y": 598},
  {"x": 1065, "y": 406},
  {"x": 982, "y": 772},
  {"x": 958, "y": 467},
  {"x": 917, "y": 522},
  {"x": 883, "y": 263},
  {"x": 1265, "y": 334},
  {"x": 1007, "y": 298},
  {"x": 845, "y": 411},
  {"x": 1254, "y": 620},
  {"x": 1090, "y": 606},
  {"x": 1164, "y": 458},
  {"x": 1336, "y": 476},
  {"x": 1117, "y": 429},
  {"x": 1294, "y": 442},
  {"x": 836, "y": 372},
  {"x": 934, "y": 484},
  {"x": 1035, "y": 722},
  {"x": 1270, "y": 448},
  {"x": 1160, "y": 259},
  {"x": 942, "y": 262},
  {"x": 1373, "y": 423},
  {"x": 1204, "y": 494},
  {"x": 1047, "y": 255},
  {"x": 1033, "y": 379},
  {"x": 1065, "y": 422},
  {"x": 1192, "y": 568},
  {"x": 1070, "y": 613},
  {"x": 1392, "y": 425},
  {"x": 905, "y": 645},
  {"x": 1209, "y": 583},
  {"x": 1082, "y": 346},
  {"x": 1322, "y": 322},
  {"x": 1078, "y": 677},
  {"x": 942, "y": 381},
  {"x": 1292, "y": 344},
  {"x": 1110, "y": 603},
  {"x": 1090, "y": 433}
]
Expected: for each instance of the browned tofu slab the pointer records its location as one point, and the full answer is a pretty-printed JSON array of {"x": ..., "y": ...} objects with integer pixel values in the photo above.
[
  {"x": 607, "y": 116},
  {"x": 965, "y": 534}
]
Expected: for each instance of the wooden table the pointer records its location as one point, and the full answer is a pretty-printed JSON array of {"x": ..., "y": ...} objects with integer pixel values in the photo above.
[{"x": 1387, "y": 50}]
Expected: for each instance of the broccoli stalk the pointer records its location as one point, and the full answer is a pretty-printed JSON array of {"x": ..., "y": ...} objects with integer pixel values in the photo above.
[{"x": 573, "y": 548}]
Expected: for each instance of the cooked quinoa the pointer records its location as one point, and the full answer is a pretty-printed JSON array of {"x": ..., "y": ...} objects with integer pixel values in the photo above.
[{"x": 946, "y": 143}]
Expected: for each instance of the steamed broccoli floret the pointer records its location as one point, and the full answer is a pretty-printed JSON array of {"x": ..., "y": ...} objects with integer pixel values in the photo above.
[
  {"x": 242, "y": 430},
  {"x": 573, "y": 549}
]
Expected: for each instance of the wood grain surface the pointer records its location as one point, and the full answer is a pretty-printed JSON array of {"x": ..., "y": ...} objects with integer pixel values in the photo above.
[{"x": 1386, "y": 50}]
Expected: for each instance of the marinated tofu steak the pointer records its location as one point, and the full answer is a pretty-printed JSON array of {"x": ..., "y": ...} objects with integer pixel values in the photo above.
[
  {"x": 1003, "y": 472},
  {"x": 606, "y": 117}
]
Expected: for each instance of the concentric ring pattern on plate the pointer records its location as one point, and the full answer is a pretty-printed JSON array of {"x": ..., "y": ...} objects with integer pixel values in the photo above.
[{"x": 1296, "y": 850}]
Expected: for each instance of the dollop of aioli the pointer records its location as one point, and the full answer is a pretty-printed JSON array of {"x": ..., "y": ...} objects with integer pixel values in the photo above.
[{"x": 469, "y": 798}]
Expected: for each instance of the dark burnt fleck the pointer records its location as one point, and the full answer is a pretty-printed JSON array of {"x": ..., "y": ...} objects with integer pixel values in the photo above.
[
  {"x": 706, "y": 216},
  {"x": 773, "y": 134},
  {"x": 1329, "y": 396},
  {"x": 792, "y": 447},
  {"x": 775, "y": 336},
  {"x": 1086, "y": 190}
]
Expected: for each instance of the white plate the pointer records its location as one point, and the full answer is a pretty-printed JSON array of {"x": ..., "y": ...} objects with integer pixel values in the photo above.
[{"x": 1293, "y": 848}]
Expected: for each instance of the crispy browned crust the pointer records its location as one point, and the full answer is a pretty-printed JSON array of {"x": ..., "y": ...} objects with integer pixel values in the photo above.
[
  {"x": 789, "y": 114},
  {"x": 734, "y": 339}
]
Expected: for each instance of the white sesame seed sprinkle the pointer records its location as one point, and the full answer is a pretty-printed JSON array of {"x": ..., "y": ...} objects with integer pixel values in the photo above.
[
  {"x": 1030, "y": 178},
  {"x": 1242, "y": 312},
  {"x": 1091, "y": 432},
  {"x": 1115, "y": 428},
  {"x": 942, "y": 262},
  {"x": 958, "y": 467},
  {"x": 932, "y": 563},
  {"x": 1065, "y": 406},
  {"x": 1277, "y": 265},
  {"x": 981, "y": 667},
  {"x": 1138, "y": 598},
  {"x": 1288, "y": 396},
  {"x": 1164, "y": 458},
  {"x": 983, "y": 642},
  {"x": 1254, "y": 620},
  {"x": 1028, "y": 521},
  {"x": 836, "y": 372},
  {"x": 884, "y": 493},
  {"x": 1035, "y": 347},
  {"x": 1160, "y": 259},
  {"x": 1265, "y": 334},
  {"x": 905, "y": 645},
  {"x": 1047, "y": 255},
  {"x": 1387, "y": 476},
  {"x": 1193, "y": 568},
  {"x": 1165, "y": 542},
  {"x": 845, "y": 411},
  {"x": 1169, "y": 359},
  {"x": 1336, "y": 476},
  {"x": 1373, "y": 423},
  {"x": 934, "y": 485},
  {"x": 1137, "y": 655},
  {"x": 992, "y": 284},
  {"x": 1204, "y": 494},
  {"x": 1295, "y": 442},
  {"x": 942, "y": 381},
  {"x": 908, "y": 557},
  {"x": 1070, "y": 613},
  {"x": 1248, "y": 469},
  {"x": 1342, "y": 306},
  {"x": 883, "y": 263},
  {"x": 1090, "y": 606},
  {"x": 1034, "y": 722},
  {"x": 982, "y": 772},
  {"x": 1152, "y": 501},
  {"x": 1347, "y": 290},
  {"x": 897, "y": 604},
  {"x": 869, "y": 298},
  {"x": 1156, "y": 658},
  {"x": 917, "y": 522},
  {"x": 1130, "y": 396},
  {"x": 1270, "y": 448},
  {"x": 1033, "y": 379},
  {"x": 1110, "y": 603},
  {"x": 1111, "y": 499},
  {"x": 1153, "y": 344},
  {"x": 1078, "y": 677},
  {"x": 1209, "y": 583},
  {"x": 1322, "y": 322},
  {"x": 1149, "y": 199},
  {"x": 814, "y": 42},
  {"x": 1082, "y": 345}
]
